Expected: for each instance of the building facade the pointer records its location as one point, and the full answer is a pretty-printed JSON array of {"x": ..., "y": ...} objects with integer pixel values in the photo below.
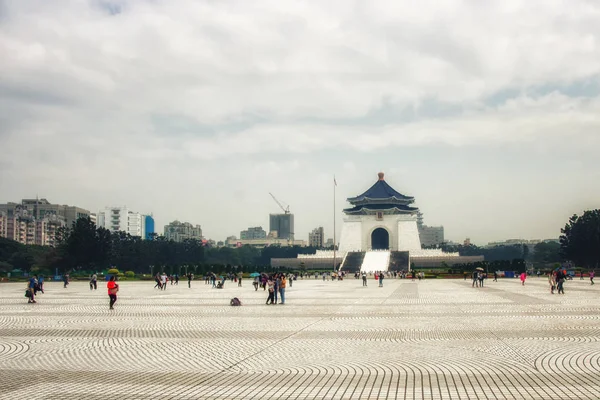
[
  {"x": 316, "y": 238},
  {"x": 283, "y": 225},
  {"x": 122, "y": 219},
  {"x": 180, "y": 231},
  {"x": 253, "y": 233},
  {"x": 232, "y": 241},
  {"x": 381, "y": 219},
  {"x": 40, "y": 208},
  {"x": 24, "y": 228},
  {"x": 148, "y": 230},
  {"x": 431, "y": 235}
]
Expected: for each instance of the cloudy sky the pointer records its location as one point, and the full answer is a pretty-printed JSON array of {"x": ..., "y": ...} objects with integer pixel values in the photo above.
[{"x": 489, "y": 115}]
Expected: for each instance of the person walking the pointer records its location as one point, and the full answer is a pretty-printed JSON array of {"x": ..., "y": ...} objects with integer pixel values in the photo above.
[
  {"x": 271, "y": 286},
  {"x": 495, "y": 276},
  {"x": 523, "y": 277},
  {"x": 255, "y": 283},
  {"x": 551, "y": 282},
  {"x": 381, "y": 279},
  {"x": 364, "y": 278},
  {"x": 560, "y": 281},
  {"x": 177, "y": 279},
  {"x": 65, "y": 280},
  {"x": 33, "y": 282},
  {"x": 240, "y": 280},
  {"x": 163, "y": 281},
  {"x": 282, "y": 286},
  {"x": 157, "y": 280},
  {"x": 591, "y": 278},
  {"x": 113, "y": 288},
  {"x": 474, "y": 276},
  {"x": 41, "y": 283},
  {"x": 190, "y": 278},
  {"x": 276, "y": 282},
  {"x": 94, "y": 282}
]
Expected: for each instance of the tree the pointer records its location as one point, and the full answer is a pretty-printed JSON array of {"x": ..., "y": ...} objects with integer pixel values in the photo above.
[
  {"x": 580, "y": 239},
  {"x": 546, "y": 253}
]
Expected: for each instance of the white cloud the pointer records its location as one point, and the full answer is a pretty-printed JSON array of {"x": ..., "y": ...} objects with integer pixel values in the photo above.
[{"x": 81, "y": 85}]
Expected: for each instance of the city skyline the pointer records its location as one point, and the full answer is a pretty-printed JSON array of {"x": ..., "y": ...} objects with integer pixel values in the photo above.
[{"x": 195, "y": 111}]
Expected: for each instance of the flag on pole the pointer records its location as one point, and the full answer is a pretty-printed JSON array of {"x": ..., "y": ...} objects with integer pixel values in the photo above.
[{"x": 334, "y": 181}]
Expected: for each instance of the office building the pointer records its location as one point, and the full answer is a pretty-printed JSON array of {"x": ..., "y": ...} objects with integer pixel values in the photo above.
[
  {"x": 180, "y": 231},
  {"x": 283, "y": 225},
  {"x": 252, "y": 233},
  {"x": 429, "y": 235},
  {"x": 316, "y": 238},
  {"x": 148, "y": 226}
]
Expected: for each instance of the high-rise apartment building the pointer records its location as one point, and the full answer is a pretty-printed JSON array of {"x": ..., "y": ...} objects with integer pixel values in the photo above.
[
  {"x": 40, "y": 208},
  {"x": 253, "y": 233},
  {"x": 122, "y": 219},
  {"x": 180, "y": 231},
  {"x": 316, "y": 238},
  {"x": 2, "y": 224},
  {"x": 24, "y": 228},
  {"x": 283, "y": 224}
]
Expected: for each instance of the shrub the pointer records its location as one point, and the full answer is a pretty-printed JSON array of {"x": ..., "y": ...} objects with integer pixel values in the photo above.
[
  {"x": 113, "y": 271},
  {"x": 129, "y": 274}
]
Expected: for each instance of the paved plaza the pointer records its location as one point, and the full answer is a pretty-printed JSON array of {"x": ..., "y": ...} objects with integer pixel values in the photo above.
[{"x": 435, "y": 339}]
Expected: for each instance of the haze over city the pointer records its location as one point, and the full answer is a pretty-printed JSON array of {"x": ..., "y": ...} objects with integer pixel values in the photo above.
[{"x": 194, "y": 110}]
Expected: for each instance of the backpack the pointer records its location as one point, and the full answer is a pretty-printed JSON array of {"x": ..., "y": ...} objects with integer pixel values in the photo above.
[{"x": 235, "y": 302}]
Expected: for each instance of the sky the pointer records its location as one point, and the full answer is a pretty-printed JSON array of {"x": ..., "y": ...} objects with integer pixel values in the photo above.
[{"x": 488, "y": 113}]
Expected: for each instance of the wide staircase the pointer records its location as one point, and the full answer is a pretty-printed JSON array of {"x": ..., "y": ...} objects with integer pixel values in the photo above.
[
  {"x": 353, "y": 261},
  {"x": 377, "y": 260},
  {"x": 399, "y": 261}
]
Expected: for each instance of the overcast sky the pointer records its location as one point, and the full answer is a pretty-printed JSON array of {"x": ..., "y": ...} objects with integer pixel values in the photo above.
[{"x": 489, "y": 115}]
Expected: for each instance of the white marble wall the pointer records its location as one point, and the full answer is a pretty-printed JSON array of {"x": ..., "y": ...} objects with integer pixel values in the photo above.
[
  {"x": 351, "y": 238},
  {"x": 408, "y": 236},
  {"x": 357, "y": 230}
]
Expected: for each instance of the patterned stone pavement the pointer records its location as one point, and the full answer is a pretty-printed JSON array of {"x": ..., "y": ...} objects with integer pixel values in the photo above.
[{"x": 331, "y": 340}]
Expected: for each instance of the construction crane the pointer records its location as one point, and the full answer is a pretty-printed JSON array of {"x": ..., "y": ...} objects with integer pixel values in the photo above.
[{"x": 286, "y": 210}]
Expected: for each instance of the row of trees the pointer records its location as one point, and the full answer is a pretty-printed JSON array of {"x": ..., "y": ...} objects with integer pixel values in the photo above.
[{"x": 86, "y": 247}]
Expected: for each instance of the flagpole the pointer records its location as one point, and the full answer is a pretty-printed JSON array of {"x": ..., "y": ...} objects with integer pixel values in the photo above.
[{"x": 334, "y": 238}]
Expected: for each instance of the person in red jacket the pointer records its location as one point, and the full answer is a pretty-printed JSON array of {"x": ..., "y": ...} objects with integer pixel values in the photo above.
[{"x": 113, "y": 288}]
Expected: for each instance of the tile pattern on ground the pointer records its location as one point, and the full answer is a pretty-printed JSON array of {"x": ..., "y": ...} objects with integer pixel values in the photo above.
[{"x": 331, "y": 340}]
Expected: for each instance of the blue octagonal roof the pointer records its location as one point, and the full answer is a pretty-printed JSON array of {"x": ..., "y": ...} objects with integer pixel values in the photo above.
[{"x": 381, "y": 191}]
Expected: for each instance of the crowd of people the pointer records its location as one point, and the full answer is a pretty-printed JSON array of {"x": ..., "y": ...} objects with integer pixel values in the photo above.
[{"x": 276, "y": 283}]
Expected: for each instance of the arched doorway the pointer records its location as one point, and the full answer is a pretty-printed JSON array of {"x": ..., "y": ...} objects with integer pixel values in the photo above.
[{"x": 380, "y": 239}]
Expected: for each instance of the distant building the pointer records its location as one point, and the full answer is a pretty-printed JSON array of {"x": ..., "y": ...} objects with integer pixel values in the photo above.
[
  {"x": 40, "y": 208},
  {"x": 283, "y": 224},
  {"x": 467, "y": 242},
  {"x": 24, "y": 228},
  {"x": 316, "y": 238},
  {"x": 329, "y": 243},
  {"x": 256, "y": 232},
  {"x": 3, "y": 224},
  {"x": 232, "y": 241},
  {"x": 148, "y": 227},
  {"x": 122, "y": 219},
  {"x": 180, "y": 231},
  {"x": 429, "y": 235}
]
